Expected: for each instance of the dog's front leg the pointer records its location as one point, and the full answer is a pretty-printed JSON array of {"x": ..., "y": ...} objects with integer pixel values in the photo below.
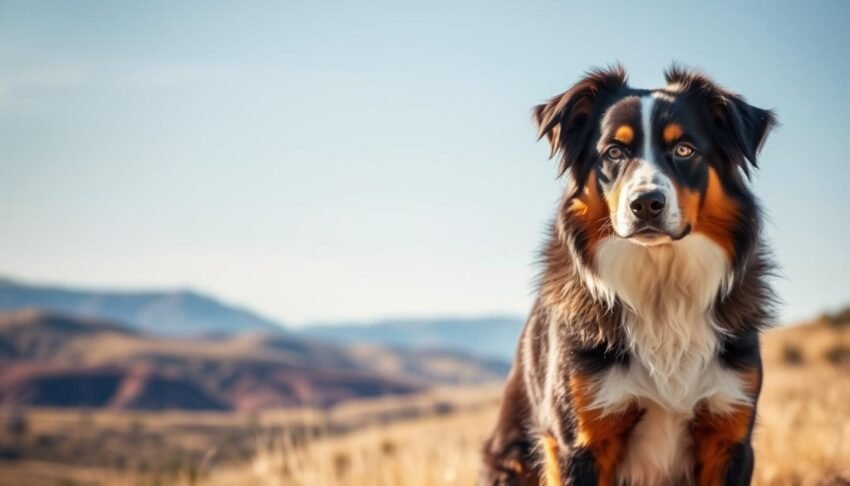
[
  {"x": 588, "y": 451},
  {"x": 724, "y": 456},
  {"x": 722, "y": 439},
  {"x": 509, "y": 453}
]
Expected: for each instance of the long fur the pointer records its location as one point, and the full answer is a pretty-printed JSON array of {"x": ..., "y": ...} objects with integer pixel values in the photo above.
[{"x": 636, "y": 360}]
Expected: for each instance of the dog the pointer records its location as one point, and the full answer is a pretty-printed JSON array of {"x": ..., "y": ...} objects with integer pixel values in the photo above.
[{"x": 640, "y": 362}]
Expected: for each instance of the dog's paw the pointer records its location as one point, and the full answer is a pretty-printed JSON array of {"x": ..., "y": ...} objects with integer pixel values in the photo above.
[
  {"x": 507, "y": 462},
  {"x": 508, "y": 469},
  {"x": 507, "y": 475}
]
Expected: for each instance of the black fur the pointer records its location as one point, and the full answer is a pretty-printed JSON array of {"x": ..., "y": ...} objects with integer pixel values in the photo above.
[{"x": 584, "y": 337}]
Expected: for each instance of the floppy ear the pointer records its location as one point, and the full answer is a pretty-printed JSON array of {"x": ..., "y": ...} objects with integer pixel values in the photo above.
[
  {"x": 747, "y": 125},
  {"x": 565, "y": 120},
  {"x": 737, "y": 123}
]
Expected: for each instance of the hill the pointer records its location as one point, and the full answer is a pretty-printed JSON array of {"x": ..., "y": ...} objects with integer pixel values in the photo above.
[
  {"x": 187, "y": 313},
  {"x": 177, "y": 313},
  {"x": 50, "y": 359}
]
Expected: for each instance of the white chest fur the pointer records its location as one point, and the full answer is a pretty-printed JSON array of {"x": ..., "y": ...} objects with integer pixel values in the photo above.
[{"x": 673, "y": 347}]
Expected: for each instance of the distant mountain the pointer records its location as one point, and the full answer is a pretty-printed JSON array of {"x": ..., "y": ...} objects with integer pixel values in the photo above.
[
  {"x": 494, "y": 337},
  {"x": 50, "y": 359},
  {"x": 179, "y": 313}
]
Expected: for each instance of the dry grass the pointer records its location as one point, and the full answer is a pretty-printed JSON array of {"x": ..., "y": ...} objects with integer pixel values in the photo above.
[
  {"x": 803, "y": 435},
  {"x": 802, "y": 438},
  {"x": 429, "y": 451}
]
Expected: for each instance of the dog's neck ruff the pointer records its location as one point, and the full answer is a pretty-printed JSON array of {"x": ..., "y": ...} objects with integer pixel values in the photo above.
[{"x": 667, "y": 293}]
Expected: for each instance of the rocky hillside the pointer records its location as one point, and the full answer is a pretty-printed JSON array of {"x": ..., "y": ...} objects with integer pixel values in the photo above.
[{"x": 50, "y": 359}]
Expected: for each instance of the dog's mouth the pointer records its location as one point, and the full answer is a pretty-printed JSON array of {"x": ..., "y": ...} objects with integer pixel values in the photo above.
[{"x": 651, "y": 235}]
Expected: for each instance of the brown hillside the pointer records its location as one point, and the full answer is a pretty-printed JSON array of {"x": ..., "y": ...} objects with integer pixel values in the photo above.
[{"x": 60, "y": 361}]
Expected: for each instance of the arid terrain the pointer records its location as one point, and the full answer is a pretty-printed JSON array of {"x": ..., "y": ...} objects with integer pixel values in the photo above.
[
  {"x": 803, "y": 435},
  {"x": 49, "y": 359}
]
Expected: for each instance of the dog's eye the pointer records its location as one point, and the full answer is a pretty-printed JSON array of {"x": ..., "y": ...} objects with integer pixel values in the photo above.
[
  {"x": 614, "y": 153},
  {"x": 683, "y": 151}
]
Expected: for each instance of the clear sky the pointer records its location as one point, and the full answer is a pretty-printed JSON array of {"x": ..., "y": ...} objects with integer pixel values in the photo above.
[{"x": 324, "y": 161}]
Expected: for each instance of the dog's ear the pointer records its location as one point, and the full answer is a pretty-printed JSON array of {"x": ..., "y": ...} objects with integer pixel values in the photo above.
[
  {"x": 737, "y": 123},
  {"x": 565, "y": 120},
  {"x": 747, "y": 125}
]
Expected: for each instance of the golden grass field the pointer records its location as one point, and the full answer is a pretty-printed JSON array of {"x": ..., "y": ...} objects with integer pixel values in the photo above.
[{"x": 802, "y": 437}]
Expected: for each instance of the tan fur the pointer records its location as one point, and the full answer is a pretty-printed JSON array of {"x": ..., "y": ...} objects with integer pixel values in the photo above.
[
  {"x": 718, "y": 215},
  {"x": 715, "y": 433},
  {"x": 592, "y": 212},
  {"x": 624, "y": 134},
  {"x": 605, "y": 435},
  {"x": 671, "y": 133},
  {"x": 551, "y": 462}
]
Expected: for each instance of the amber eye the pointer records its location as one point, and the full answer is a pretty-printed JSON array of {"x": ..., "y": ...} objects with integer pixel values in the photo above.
[
  {"x": 683, "y": 151},
  {"x": 614, "y": 153}
]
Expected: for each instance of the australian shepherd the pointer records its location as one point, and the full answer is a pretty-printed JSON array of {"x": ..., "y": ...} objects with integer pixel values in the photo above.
[{"x": 640, "y": 361}]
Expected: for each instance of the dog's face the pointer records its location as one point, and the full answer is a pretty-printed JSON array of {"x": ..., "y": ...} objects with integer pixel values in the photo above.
[{"x": 654, "y": 166}]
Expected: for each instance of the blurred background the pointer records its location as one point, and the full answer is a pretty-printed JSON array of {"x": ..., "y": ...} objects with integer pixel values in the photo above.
[{"x": 294, "y": 242}]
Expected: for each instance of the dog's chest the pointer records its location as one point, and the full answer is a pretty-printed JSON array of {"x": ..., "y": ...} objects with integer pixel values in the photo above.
[
  {"x": 659, "y": 449},
  {"x": 673, "y": 346},
  {"x": 669, "y": 379}
]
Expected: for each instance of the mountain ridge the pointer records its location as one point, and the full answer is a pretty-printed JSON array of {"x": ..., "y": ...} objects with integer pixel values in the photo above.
[
  {"x": 189, "y": 312},
  {"x": 51, "y": 359},
  {"x": 164, "y": 312}
]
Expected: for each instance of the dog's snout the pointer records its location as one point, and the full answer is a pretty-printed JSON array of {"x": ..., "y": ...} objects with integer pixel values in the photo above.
[{"x": 648, "y": 205}]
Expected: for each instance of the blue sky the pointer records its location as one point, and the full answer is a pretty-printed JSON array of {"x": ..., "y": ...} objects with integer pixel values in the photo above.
[{"x": 324, "y": 161}]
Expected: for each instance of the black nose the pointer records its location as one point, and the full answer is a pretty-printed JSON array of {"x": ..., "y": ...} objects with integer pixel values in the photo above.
[{"x": 648, "y": 205}]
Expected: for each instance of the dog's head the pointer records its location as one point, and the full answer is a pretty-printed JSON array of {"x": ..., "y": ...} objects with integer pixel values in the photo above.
[{"x": 654, "y": 166}]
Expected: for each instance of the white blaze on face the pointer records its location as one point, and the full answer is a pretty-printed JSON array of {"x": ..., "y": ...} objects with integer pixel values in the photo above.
[{"x": 647, "y": 176}]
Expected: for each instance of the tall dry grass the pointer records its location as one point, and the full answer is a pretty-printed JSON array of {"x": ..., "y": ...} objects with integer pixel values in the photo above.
[
  {"x": 429, "y": 451},
  {"x": 802, "y": 436}
]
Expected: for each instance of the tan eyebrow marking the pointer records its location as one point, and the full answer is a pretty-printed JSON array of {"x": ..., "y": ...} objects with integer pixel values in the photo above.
[
  {"x": 624, "y": 134},
  {"x": 672, "y": 132}
]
